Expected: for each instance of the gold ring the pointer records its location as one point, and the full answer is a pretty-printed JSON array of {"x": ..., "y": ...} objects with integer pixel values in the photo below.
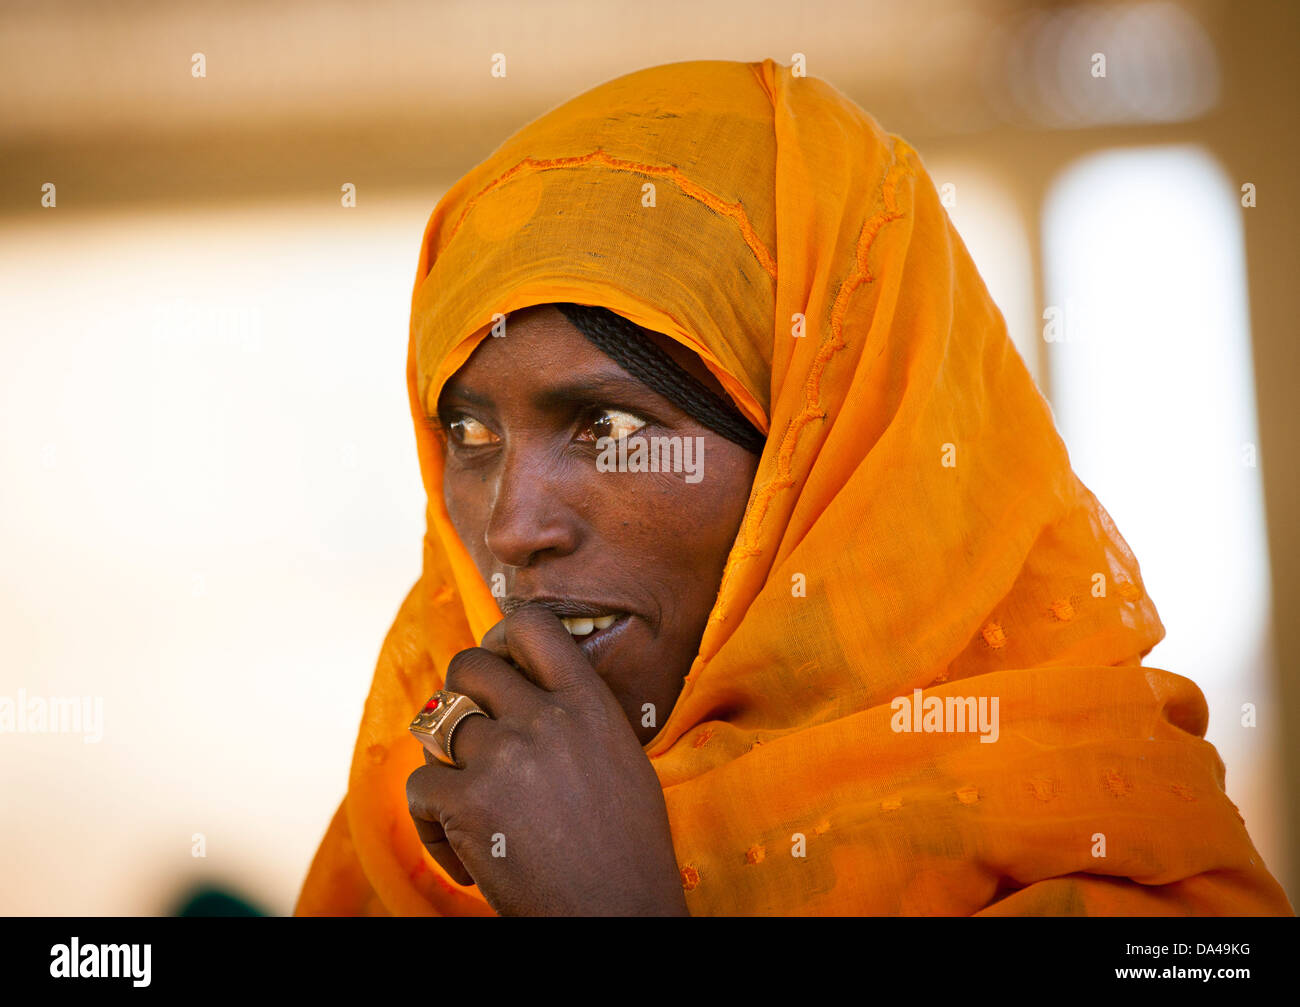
[{"x": 437, "y": 722}]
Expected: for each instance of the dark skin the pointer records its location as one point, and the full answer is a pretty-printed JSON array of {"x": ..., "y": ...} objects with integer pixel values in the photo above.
[{"x": 559, "y": 774}]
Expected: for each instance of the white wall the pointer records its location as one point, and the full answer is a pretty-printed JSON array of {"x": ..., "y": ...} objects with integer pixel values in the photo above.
[{"x": 210, "y": 511}]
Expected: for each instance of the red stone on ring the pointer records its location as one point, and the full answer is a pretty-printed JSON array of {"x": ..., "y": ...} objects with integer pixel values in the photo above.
[{"x": 431, "y": 705}]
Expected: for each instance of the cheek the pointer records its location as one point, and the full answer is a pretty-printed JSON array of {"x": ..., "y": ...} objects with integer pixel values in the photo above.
[
  {"x": 711, "y": 511},
  {"x": 678, "y": 533},
  {"x": 465, "y": 497}
]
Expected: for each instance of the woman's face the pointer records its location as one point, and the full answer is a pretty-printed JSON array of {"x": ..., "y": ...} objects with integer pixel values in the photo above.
[{"x": 528, "y": 499}]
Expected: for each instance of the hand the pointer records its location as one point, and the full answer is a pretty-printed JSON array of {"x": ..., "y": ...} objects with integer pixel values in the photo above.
[{"x": 556, "y": 809}]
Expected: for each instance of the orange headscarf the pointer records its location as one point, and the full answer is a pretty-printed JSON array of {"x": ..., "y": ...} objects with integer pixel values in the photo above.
[{"x": 914, "y": 525}]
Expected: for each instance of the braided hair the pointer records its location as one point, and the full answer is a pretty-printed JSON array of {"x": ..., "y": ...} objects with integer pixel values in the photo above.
[{"x": 630, "y": 346}]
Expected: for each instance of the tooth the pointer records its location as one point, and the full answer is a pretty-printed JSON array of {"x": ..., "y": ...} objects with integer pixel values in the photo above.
[
  {"x": 604, "y": 622},
  {"x": 578, "y": 627}
]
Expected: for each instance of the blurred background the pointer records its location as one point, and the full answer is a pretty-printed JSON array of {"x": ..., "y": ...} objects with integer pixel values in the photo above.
[{"x": 210, "y": 504}]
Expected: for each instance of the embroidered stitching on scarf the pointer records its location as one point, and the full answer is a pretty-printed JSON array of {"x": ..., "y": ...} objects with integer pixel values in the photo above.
[
  {"x": 812, "y": 387},
  {"x": 733, "y": 211}
]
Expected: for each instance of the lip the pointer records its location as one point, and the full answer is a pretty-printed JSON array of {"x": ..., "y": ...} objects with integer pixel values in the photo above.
[
  {"x": 598, "y": 643},
  {"x": 566, "y": 608}
]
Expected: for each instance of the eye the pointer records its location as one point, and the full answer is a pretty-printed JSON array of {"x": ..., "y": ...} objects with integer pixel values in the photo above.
[
  {"x": 613, "y": 423},
  {"x": 469, "y": 432}
]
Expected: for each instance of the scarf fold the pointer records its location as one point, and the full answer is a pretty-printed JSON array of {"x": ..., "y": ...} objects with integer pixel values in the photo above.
[{"x": 916, "y": 549}]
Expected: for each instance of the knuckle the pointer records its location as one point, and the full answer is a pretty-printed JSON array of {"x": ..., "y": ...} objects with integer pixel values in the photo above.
[
  {"x": 514, "y": 767},
  {"x": 462, "y": 669},
  {"x": 551, "y": 720},
  {"x": 499, "y": 767},
  {"x": 511, "y": 749},
  {"x": 585, "y": 706},
  {"x": 414, "y": 789},
  {"x": 476, "y": 798},
  {"x": 459, "y": 825}
]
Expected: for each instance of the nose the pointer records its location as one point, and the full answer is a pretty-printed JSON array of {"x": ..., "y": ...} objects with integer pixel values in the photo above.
[{"x": 529, "y": 515}]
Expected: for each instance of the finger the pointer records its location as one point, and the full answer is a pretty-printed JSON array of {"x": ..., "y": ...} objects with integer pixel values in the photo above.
[
  {"x": 493, "y": 683},
  {"x": 430, "y": 791},
  {"x": 470, "y": 734},
  {"x": 535, "y": 639},
  {"x": 435, "y": 841}
]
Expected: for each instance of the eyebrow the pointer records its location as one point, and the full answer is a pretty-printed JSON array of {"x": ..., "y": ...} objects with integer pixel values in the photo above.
[{"x": 557, "y": 396}]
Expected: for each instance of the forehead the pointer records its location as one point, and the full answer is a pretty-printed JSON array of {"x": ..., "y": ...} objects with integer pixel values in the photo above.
[{"x": 538, "y": 344}]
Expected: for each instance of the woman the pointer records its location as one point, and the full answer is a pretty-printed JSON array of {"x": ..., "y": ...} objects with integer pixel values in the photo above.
[{"x": 879, "y": 653}]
